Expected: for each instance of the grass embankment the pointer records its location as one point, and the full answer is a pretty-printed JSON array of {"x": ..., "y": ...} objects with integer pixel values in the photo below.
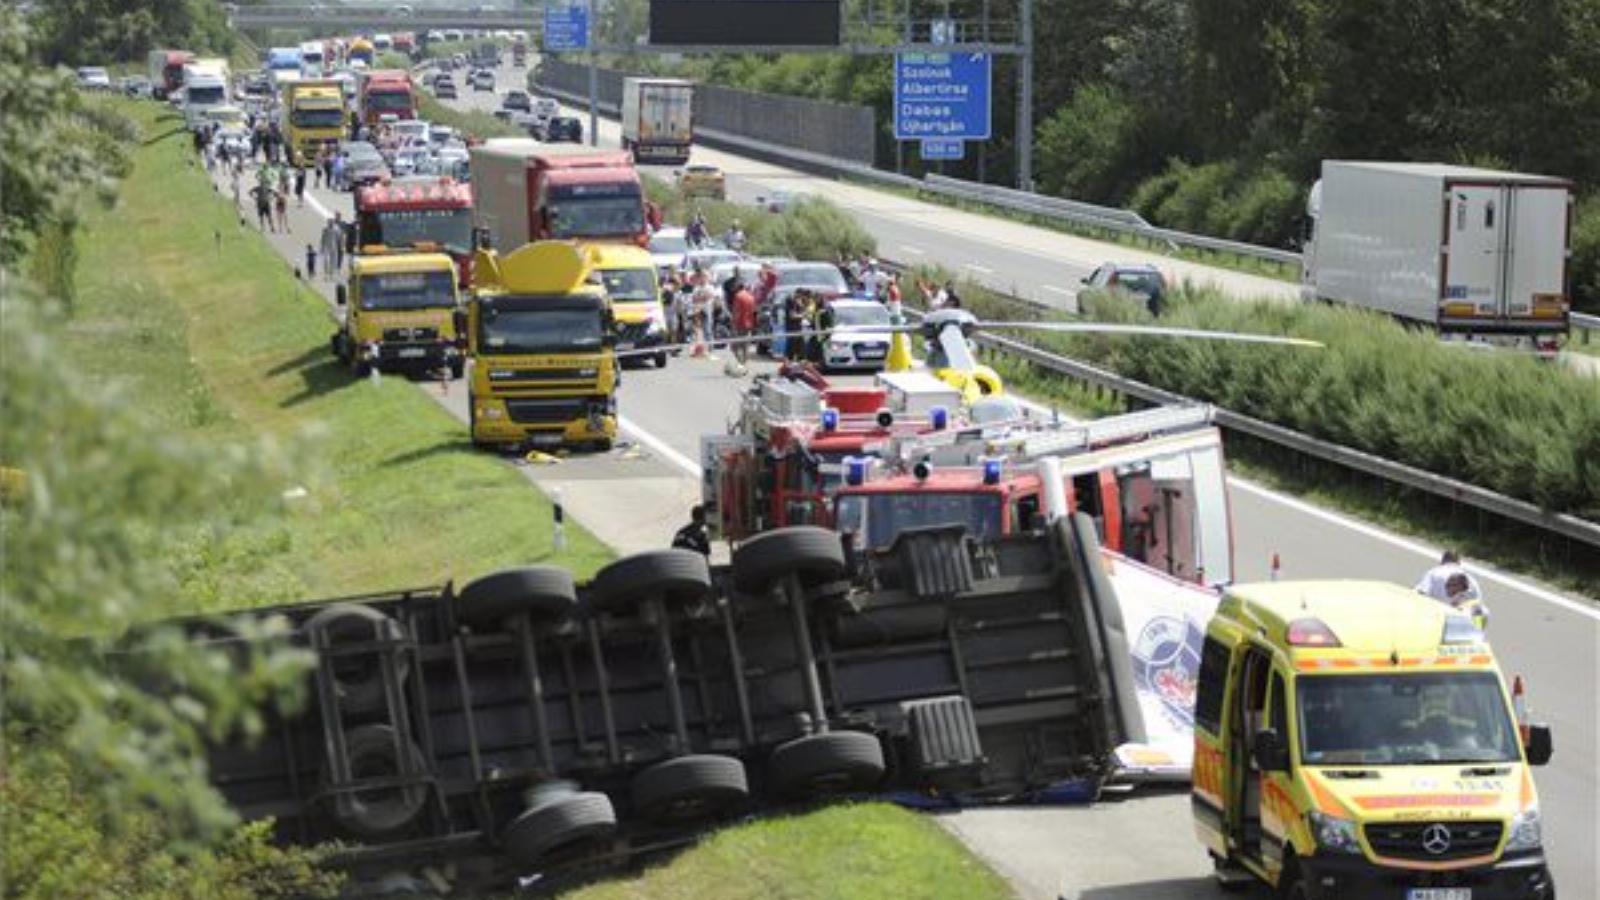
[
  {"x": 473, "y": 123},
  {"x": 204, "y": 327},
  {"x": 859, "y": 851}
]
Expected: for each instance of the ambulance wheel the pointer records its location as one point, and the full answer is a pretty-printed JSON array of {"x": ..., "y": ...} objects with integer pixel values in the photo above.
[
  {"x": 674, "y": 576},
  {"x": 543, "y": 592},
  {"x": 1228, "y": 885},
  {"x": 1293, "y": 884},
  {"x": 358, "y": 678},
  {"x": 815, "y": 554}
]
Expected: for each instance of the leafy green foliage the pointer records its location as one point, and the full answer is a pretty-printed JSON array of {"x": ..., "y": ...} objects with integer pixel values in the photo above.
[
  {"x": 1083, "y": 146},
  {"x": 70, "y": 150},
  {"x": 1258, "y": 206},
  {"x": 810, "y": 228},
  {"x": 97, "y": 32},
  {"x": 1586, "y": 255}
]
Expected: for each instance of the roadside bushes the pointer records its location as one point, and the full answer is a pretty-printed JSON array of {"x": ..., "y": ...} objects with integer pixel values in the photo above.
[
  {"x": 811, "y": 227},
  {"x": 1505, "y": 421},
  {"x": 1226, "y": 199},
  {"x": 1083, "y": 146}
]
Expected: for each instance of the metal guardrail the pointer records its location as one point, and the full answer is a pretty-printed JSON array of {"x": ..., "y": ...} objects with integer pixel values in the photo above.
[
  {"x": 1585, "y": 321},
  {"x": 1562, "y": 524}
]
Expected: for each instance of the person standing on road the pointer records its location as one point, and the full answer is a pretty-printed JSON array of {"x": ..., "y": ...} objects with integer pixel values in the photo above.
[
  {"x": 281, "y": 199},
  {"x": 300, "y": 186},
  {"x": 235, "y": 178},
  {"x": 338, "y": 172},
  {"x": 311, "y": 262},
  {"x": 696, "y": 535},
  {"x": 332, "y": 241},
  {"x": 263, "y": 198},
  {"x": 1435, "y": 581},
  {"x": 743, "y": 310}
]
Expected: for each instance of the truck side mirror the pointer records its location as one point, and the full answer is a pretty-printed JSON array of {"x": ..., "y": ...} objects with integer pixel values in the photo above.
[
  {"x": 341, "y": 295},
  {"x": 1269, "y": 751},
  {"x": 1538, "y": 746}
]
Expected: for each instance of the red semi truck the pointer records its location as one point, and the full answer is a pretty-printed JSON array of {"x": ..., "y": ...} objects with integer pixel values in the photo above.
[
  {"x": 530, "y": 191},
  {"x": 386, "y": 92}
]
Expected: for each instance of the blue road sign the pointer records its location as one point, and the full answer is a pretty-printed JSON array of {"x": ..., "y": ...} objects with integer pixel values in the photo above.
[
  {"x": 566, "y": 28},
  {"x": 935, "y": 149},
  {"x": 941, "y": 95}
]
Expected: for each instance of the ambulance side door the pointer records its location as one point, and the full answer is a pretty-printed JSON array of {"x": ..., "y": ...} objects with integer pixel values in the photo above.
[{"x": 1278, "y": 810}]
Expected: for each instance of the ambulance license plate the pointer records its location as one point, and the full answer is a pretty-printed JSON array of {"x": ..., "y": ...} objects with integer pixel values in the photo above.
[
  {"x": 413, "y": 352},
  {"x": 1454, "y": 893}
]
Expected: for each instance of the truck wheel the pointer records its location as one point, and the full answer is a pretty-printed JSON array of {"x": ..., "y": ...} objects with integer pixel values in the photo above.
[
  {"x": 359, "y": 367},
  {"x": 689, "y": 788},
  {"x": 676, "y": 576},
  {"x": 544, "y": 592},
  {"x": 358, "y": 678},
  {"x": 830, "y": 763},
  {"x": 336, "y": 346},
  {"x": 661, "y": 360},
  {"x": 815, "y": 554},
  {"x": 458, "y": 368},
  {"x": 566, "y": 820},
  {"x": 381, "y": 811}
]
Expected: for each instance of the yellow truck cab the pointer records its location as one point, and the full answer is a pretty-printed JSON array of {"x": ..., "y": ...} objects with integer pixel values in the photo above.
[
  {"x": 630, "y": 281},
  {"x": 541, "y": 336},
  {"x": 400, "y": 312},
  {"x": 1356, "y": 739},
  {"x": 313, "y": 118}
]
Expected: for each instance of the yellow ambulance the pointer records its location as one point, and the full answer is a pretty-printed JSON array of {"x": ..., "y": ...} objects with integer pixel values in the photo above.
[{"x": 1356, "y": 739}]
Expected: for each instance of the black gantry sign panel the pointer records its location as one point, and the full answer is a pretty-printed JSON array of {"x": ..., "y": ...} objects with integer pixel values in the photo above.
[{"x": 744, "y": 23}]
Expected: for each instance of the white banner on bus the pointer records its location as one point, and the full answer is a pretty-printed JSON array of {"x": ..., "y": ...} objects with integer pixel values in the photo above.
[{"x": 1165, "y": 621}]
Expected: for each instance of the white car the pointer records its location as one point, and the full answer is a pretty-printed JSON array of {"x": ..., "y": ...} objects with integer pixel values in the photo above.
[
  {"x": 709, "y": 257},
  {"x": 441, "y": 135},
  {"x": 545, "y": 109},
  {"x": 854, "y": 344},
  {"x": 667, "y": 247},
  {"x": 94, "y": 78},
  {"x": 451, "y": 161},
  {"x": 411, "y": 131},
  {"x": 234, "y": 138},
  {"x": 411, "y": 160}
]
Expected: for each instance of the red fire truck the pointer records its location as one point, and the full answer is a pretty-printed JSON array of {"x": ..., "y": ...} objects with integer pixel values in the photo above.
[
  {"x": 872, "y": 466},
  {"x": 418, "y": 213}
]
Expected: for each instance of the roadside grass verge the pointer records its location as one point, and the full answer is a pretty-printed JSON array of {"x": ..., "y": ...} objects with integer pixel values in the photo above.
[
  {"x": 201, "y": 326},
  {"x": 855, "y": 851},
  {"x": 473, "y": 123}
]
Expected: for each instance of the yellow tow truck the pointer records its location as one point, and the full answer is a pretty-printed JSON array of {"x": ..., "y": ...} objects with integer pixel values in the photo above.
[
  {"x": 401, "y": 312},
  {"x": 541, "y": 336}
]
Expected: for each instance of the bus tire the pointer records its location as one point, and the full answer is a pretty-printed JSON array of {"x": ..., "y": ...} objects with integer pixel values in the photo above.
[
  {"x": 566, "y": 820},
  {"x": 689, "y": 788},
  {"x": 829, "y": 763},
  {"x": 675, "y": 576},
  {"x": 375, "y": 813},
  {"x": 358, "y": 680},
  {"x": 815, "y": 554}
]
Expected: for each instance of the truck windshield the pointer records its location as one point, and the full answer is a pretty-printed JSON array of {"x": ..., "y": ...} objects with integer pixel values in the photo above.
[
  {"x": 882, "y": 516},
  {"x": 563, "y": 327},
  {"x": 205, "y": 96},
  {"x": 317, "y": 118},
  {"x": 596, "y": 216},
  {"x": 449, "y": 228},
  {"x": 408, "y": 290},
  {"x": 1404, "y": 719},
  {"x": 389, "y": 101},
  {"x": 629, "y": 284}
]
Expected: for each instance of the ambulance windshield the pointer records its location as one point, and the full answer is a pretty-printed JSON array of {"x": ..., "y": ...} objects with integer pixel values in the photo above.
[{"x": 1404, "y": 719}]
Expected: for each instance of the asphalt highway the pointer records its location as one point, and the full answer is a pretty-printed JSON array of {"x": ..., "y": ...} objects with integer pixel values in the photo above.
[{"x": 1138, "y": 846}]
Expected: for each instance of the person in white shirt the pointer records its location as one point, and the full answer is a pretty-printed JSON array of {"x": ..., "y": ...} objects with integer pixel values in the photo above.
[{"x": 1435, "y": 581}]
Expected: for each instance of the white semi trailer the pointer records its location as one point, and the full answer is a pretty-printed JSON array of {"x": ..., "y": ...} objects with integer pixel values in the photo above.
[
  {"x": 1470, "y": 252},
  {"x": 658, "y": 119}
]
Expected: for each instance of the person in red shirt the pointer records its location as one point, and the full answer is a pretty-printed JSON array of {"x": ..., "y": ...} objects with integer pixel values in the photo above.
[{"x": 744, "y": 319}]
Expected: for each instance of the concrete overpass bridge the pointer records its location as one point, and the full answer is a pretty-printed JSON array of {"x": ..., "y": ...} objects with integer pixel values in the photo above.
[{"x": 386, "y": 17}]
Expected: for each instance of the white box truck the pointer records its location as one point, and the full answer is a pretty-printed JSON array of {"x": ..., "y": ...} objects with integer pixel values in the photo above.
[
  {"x": 205, "y": 87},
  {"x": 1470, "y": 252},
  {"x": 658, "y": 119}
]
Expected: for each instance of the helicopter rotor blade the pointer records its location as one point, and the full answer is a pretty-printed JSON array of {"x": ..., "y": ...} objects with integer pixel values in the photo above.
[
  {"x": 1152, "y": 331},
  {"x": 710, "y": 343}
]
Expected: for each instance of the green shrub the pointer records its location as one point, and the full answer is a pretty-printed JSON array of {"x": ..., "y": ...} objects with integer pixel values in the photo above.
[
  {"x": 1083, "y": 146},
  {"x": 812, "y": 228},
  {"x": 1226, "y": 199}
]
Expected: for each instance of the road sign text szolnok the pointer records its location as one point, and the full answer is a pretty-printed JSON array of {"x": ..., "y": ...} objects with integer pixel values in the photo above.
[{"x": 942, "y": 96}]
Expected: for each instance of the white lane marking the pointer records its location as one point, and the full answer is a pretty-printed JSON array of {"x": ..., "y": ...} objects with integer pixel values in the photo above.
[
  {"x": 1431, "y": 554},
  {"x": 1057, "y": 290},
  {"x": 910, "y": 249},
  {"x": 977, "y": 268},
  {"x": 317, "y": 205},
  {"x": 661, "y": 447}
]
